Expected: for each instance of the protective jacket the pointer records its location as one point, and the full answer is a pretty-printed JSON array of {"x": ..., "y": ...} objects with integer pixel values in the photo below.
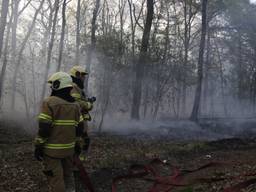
[
  {"x": 60, "y": 127},
  {"x": 85, "y": 106}
]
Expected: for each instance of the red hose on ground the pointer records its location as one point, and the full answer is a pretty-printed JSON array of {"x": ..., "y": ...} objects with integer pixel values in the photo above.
[
  {"x": 84, "y": 176},
  {"x": 167, "y": 183}
]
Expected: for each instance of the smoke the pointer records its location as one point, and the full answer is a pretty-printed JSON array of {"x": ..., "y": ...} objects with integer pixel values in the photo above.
[
  {"x": 206, "y": 129},
  {"x": 14, "y": 127},
  {"x": 253, "y": 1},
  {"x": 111, "y": 81},
  {"x": 174, "y": 130},
  {"x": 222, "y": 115}
]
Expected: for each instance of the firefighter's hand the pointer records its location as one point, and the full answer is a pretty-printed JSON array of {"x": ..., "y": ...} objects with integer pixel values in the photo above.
[
  {"x": 83, "y": 156},
  {"x": 87, "y": 142},
  {"x": 39, "y": 153},
  {"x": 77, "y": 149}
]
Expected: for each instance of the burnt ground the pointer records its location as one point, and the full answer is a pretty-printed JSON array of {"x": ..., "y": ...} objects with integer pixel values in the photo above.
[{"x": 110, "y": 156}]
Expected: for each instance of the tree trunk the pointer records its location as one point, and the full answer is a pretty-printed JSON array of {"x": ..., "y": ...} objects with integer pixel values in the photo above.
[
  {"x": 34, "y": 83},
  {"x": 25, "y": 96},
  {"x": 194, "y": 114},
  {"x": 240, "y": 68},
  {"x": 5, "y": 59},
  {"x": 78, "y": 39},
  {"x": 142, "y": 59},
  {"x": 93, "y": 42},
  {"x": 206, "y": 73},
  {"x": 47, "y": 33},
  {"x": 14, "y": 28},
  {"x": 62, "y": 34},
  {"x": 186, "y": 46},
  {"x": 4, "y": 11},
  {"x": 23, "y": 45},
  {"x": 187, "y": 39},
  {"x": 132, "y": 29},
  {"x": 253, "y": 83},
  {"x": 160, "y": 85},
  {"x": 157, "y": 99},
  {"x": 51, "y": 43},
  {"x": 121, "y": 5},
  {"x": 222, "y": 82},
  {"x": 16, "y": 14},
  {"x": 146, "y": 102},
  {"x": 106, "y": 87}
]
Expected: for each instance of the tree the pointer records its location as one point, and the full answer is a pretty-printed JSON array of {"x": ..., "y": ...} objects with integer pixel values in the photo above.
[
  {"x": 189, "y": 15},
  {"x": 16, "y": 13},
  {"x": 134, "y": 24},
  {"x": 195, "y": 111},
  {"x": 22, "y": 48},
  {"x": 3, "y": 71},
  {"x": 51, "y": 43},
  {"x": 93, "y": 41},
  {"x": 78, "y": 38},
  {"x": 46, "y": 21},
  {"x": 62, "y": 34},
  {"x": 14, "y": 27},
  {"x": 4, "y": 11},
  {"x": 142, "y": 59}
]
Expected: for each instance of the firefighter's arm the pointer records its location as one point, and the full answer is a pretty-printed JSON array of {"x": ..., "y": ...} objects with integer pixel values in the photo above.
[
  {"x": 45, "y": 123},
  {"x": 85, "y": 108},
  {"x": 82, "y": 141},
  {"x": 85, "y": 105}
]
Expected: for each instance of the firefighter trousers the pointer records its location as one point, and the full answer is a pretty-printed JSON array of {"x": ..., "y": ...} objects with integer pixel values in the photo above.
[
  {"x": 59, "y": 173},
  {"x": 79, "y": 187}
]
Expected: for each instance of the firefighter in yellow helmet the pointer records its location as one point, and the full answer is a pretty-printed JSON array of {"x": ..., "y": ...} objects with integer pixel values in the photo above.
[
  {"x": 60, "y": 131},
  {"x": 78, "y": 74}
]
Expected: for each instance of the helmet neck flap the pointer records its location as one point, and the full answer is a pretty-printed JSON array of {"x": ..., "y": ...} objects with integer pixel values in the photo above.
[
  {"x": 63, "y": 94},
  {"x": 78, "y": 82}
]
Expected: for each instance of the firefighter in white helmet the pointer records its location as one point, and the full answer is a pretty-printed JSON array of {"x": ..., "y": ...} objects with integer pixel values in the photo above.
[
  {"x": 78, "y": 74},
  {"x": 60, "y": 131}
]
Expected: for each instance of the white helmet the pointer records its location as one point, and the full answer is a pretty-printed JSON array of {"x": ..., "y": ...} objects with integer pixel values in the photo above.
[
  {"x": 60, "y": 80},
  {"x": 77, "y": 71}
]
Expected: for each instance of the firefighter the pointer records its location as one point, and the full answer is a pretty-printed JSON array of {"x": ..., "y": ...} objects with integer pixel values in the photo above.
[
  {"x": 78, "y": 75},
  {"x": 60, "y": 130}
]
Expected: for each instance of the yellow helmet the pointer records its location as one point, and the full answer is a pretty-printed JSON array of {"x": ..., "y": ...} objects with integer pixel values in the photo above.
[
  {"x": 60, "y": 80},
  {"x": 77, "y": 71}
]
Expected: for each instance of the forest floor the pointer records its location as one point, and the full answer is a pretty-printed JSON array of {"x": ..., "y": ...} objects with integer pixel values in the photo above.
[{"x": 112, "y": 155}]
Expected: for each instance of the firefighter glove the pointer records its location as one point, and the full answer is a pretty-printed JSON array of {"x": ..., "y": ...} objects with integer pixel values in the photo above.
[
  {"x": 87, "y": 117},
  {"x": 39, "y": 152},
  {"x": 92, "y": 99}
]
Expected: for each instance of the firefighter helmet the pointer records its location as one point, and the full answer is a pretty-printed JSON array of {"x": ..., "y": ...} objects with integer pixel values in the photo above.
[
  {"x": 77, "y": 71},
  {"x": 60, "y": 80}
]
